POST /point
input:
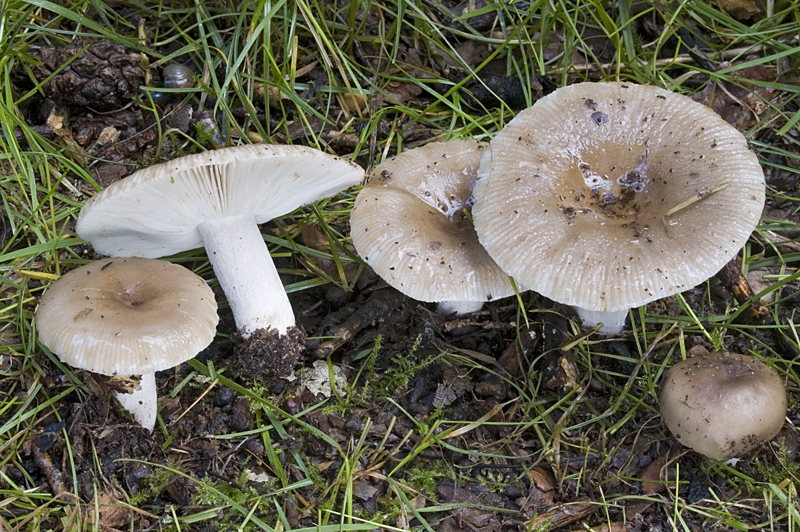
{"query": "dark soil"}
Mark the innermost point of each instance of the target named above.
(526, 485)
(496, 365)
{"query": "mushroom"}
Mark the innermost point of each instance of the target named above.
(607, 196)
(722, 404)
(410, 223)
(128, 316)
(217, 199)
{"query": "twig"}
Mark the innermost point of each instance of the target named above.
(706, 192)
(210, 387)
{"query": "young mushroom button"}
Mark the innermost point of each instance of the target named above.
(216, 200)
(128, 316)
(606, 196)
(722, 404)
(411, 224)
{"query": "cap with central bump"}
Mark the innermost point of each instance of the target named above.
(606, 196)
(128, 316)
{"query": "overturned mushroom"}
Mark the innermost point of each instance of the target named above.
(607, 196)
(410, 223)
(723, 404)
(216, 200)
(128, 316)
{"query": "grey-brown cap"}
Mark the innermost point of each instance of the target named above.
(409, 225)
(586, 196)
(127, 316)
(723, 404)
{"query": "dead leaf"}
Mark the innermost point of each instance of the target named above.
(656, 475)
(740, 9)
(409, 65)
(561, 515)
(355, 102)
(759, 284)
(398, 93)
(541, 479)
(108, 135)
(542, 493)
(112, 513)
(742, 104)
(56, 122)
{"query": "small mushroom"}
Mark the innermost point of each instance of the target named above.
(722, 404)
(216, 200)
(128, 316)
(606, 196)
(411, 224)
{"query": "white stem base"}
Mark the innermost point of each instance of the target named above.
(613, 322)
(142, 404)
(459, 307)
(247, 274)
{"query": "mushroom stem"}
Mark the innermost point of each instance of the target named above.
(459, 307)
(247, 274)
(613, 322)
(143, 403)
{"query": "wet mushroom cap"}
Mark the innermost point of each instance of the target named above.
(606, 196)
(127, 316)
(723, 404)
(409, 225)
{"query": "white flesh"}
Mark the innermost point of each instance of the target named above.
(142, 404)
(613, 322)
(248, 277)
(459, 307)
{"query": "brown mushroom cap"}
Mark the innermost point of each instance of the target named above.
(127, 316)
(575, 195)
(723, 404)
(408, 225)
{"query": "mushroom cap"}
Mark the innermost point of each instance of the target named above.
(127, 316)
(155, 212)
(408, 225)
(723, 404)
(573, 197)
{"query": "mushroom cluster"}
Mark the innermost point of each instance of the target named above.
(606, 196)
(603, 196)
(723, 404)
(128, 316)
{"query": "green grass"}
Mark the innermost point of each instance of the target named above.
(391, 77)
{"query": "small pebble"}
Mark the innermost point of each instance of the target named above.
(224, 396)
(255, 446)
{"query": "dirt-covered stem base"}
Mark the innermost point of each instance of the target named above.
(267, 354)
